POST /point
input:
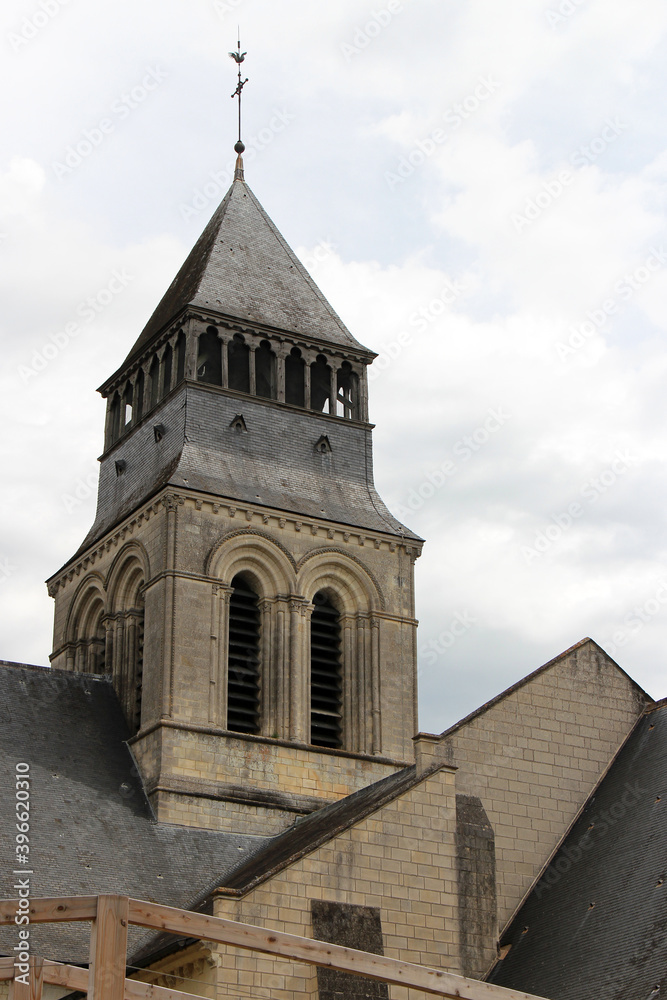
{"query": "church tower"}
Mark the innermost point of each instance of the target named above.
(243, 585)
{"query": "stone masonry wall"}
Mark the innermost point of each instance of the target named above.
(400, 859)
(202, 779)
(534, 756)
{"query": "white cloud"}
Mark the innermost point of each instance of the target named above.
(466, 312)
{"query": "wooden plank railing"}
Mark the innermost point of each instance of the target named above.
(111, 916)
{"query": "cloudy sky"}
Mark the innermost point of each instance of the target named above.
(478, 187)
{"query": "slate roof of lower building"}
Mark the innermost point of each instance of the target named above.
(595, 924)
(91, 829)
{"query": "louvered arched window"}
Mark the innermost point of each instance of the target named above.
(325, 674)
(243, 662)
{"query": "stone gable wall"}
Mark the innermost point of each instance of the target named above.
(534, 757)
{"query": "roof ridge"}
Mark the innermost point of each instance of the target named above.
(300, 267)
(531, 676)
(294, 843)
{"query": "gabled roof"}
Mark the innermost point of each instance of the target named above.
(535, 673)
(241, 267)
(318, 827)
(595, 923)
(92, 829)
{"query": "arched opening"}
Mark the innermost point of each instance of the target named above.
(180, 357)
(125, 624)
(154, 375)
(114, 418)
(295, 368)
(167, 358)
(209, 357)
(128, 397)
(87, 633)
(139, 395)
(265, 371)
(325, 674)
(320, 385)
(243, 662)
(238, 354)
(347, 399)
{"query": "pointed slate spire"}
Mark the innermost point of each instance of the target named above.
(241, 267)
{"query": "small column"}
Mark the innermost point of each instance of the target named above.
(333, 389)
(299, 729)
(362, 691)
(131, 668)
(282, 670)
(117, 673)
(350, 695)
(281, 350)
(108, 644)
(363, 395)
(191, 349)
(252, 369)
(376, 716)
(306, 384)
(267, 679)
(171, 504)
(217, 702)
(224, 359)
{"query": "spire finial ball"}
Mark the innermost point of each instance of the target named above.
(239, 147)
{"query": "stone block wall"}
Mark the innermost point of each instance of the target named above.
(533, 756)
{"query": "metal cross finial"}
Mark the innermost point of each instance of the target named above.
(238, 58)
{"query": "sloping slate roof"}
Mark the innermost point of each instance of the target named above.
(595, 924)
(318, 827)
(242, 267)
(92, 829)
(304, 836)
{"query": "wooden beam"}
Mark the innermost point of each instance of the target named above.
(49, 910)
(332, 956)
(108, 949)
(6, 968)
(32, 990)
(73, 978)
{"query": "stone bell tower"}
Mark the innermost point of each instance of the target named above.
(243, 585)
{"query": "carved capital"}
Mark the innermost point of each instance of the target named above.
(171, 502)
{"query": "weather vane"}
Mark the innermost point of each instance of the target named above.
(238, 58)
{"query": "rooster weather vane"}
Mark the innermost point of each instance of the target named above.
(238, 58)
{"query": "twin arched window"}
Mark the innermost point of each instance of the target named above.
(243, 667)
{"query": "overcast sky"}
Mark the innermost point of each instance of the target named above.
(479, 189)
